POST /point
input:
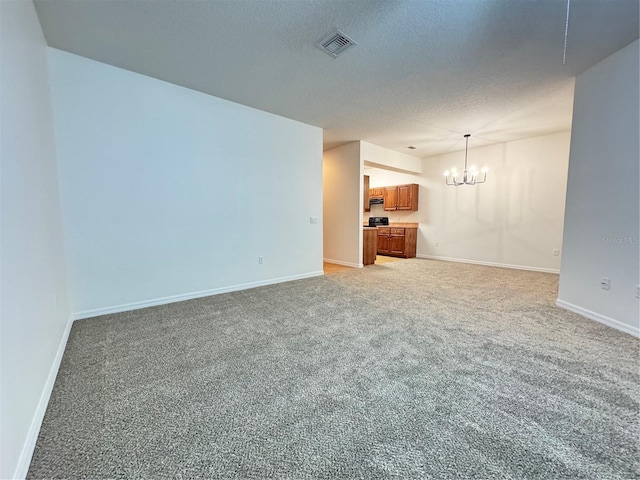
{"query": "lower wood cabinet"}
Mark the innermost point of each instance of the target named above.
(369, 246)
(397, 241)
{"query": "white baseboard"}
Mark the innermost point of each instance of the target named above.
(29, 445)
(617, 324)
(491, 264)
(188, 296)
(346, 264)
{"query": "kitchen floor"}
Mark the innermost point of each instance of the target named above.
(330, 268)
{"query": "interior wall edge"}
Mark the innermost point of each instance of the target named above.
(126, 307)
(490, 264)
(346, 264)
(597, 317)
(22, 468)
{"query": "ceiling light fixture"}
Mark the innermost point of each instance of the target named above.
(470, 176)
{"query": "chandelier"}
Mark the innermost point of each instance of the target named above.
(469, 176)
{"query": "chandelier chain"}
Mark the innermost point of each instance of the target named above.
(566, 34)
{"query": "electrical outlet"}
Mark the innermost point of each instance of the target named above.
(637, 291)
(556, 252)
(605, 283)
(437, 244)
(260, 260)
(313, 220)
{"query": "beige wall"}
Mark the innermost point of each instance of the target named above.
(342, 205)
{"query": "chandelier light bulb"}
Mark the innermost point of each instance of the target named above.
(446, 173)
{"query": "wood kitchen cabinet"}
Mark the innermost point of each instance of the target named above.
(377, 192)
(397, 241)
(365, 199)
(369, 246)
(407, 197)
(390, 198)
(383, 240)
(401, 197)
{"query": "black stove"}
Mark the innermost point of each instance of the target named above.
(378, 221)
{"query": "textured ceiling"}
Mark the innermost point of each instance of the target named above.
(424, 72)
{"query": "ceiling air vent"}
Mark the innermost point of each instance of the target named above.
(335, 43)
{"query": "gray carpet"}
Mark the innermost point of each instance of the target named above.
(413, 369)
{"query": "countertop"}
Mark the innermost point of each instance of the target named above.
(396, 224)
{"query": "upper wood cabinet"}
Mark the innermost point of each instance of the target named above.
(390, 198)
(401, 197)
(365, 199)
(377, 192)
(408, 197)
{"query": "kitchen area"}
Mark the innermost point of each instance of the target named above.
(381, 236)
(371, 200)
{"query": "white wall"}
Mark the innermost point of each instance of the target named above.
(168, 193)
(602, 225)
(380, 157)
(34, 297)
(342, 205)
(515, 219)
